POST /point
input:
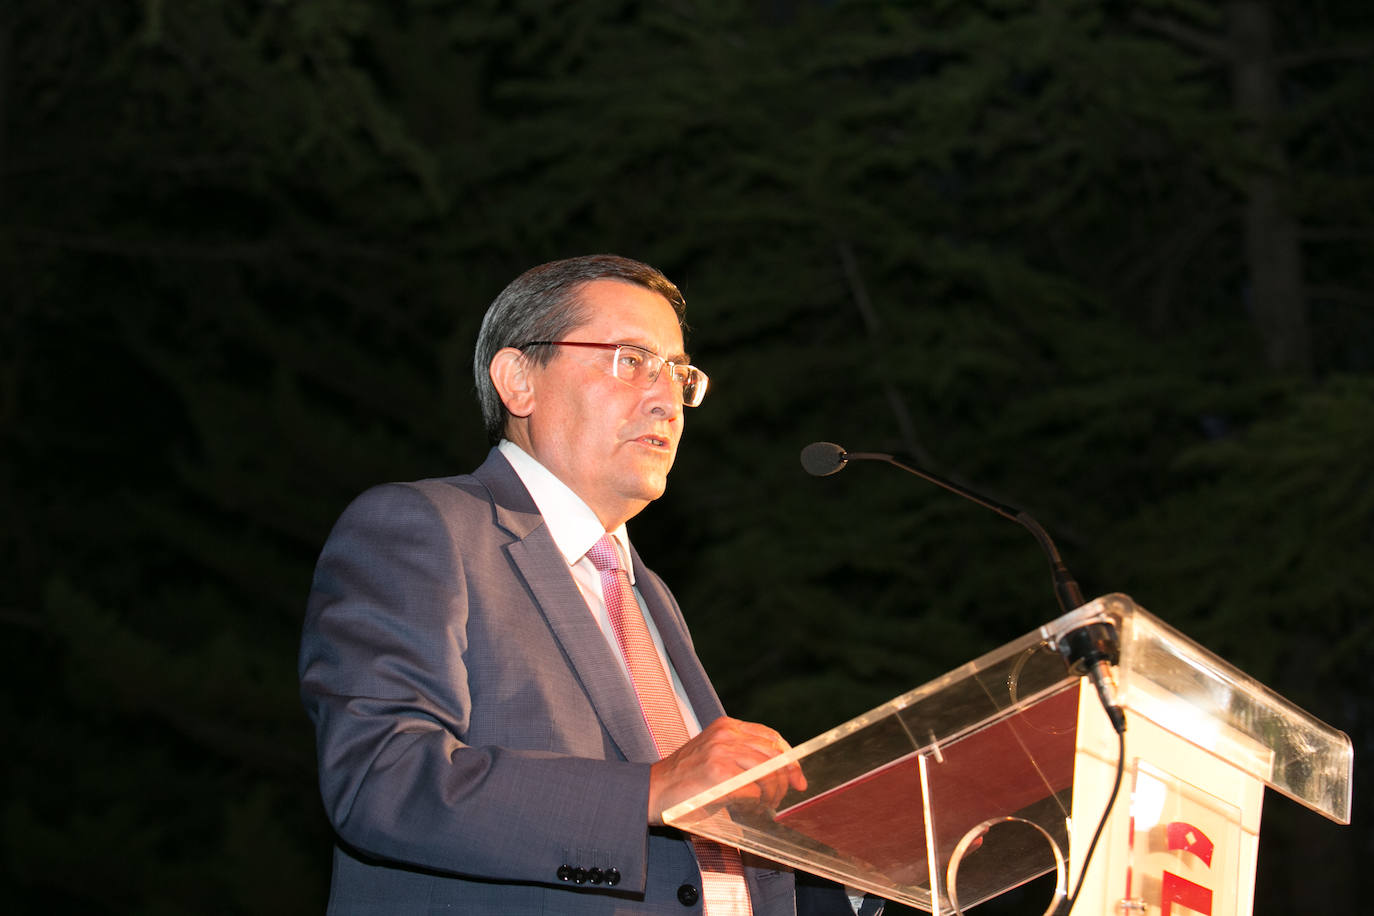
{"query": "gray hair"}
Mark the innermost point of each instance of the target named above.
(545, 303)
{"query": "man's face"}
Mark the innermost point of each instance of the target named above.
(611, 443)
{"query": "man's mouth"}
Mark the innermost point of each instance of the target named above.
(655, 441)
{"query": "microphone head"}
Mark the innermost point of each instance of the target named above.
(821, 459)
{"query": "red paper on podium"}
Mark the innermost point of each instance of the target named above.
(999, 770)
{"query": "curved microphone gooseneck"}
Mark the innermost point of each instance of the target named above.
(1088, 650)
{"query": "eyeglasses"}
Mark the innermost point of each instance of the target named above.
(640, 367)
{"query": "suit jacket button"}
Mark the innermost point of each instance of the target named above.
(612, 876)
(595, 875)
(688, 895)
(565, 873)
(579, 876)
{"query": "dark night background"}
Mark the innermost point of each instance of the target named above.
(1108, 261)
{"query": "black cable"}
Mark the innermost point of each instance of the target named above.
(1067, 906)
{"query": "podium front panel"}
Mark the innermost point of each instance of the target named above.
(1183, 836)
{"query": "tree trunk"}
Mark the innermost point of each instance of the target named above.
(1273, 252)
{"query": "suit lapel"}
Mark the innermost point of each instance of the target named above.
(537, 560)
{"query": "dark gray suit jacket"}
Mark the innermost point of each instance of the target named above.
(479, 748)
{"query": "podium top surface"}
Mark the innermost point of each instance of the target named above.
(1181, 686)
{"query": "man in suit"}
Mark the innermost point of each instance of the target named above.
(481, 744)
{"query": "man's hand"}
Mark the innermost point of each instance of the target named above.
(725, 748)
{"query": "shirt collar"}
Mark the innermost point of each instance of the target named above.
(572, 524)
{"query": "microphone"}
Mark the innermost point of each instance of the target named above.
(821, 459)
(1088, 650)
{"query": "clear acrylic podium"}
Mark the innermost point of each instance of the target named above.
(999, 771)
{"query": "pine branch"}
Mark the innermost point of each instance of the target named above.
(1186, 36)
(858, 292)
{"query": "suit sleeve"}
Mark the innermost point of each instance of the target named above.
(385, 679)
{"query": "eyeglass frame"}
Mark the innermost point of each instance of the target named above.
(698, 390)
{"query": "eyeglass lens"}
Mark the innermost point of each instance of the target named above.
(639, 367)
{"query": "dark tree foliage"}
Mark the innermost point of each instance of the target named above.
(1105, 261)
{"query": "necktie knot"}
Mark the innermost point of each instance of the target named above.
(604, 556)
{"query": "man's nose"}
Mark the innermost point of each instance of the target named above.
(665, 390)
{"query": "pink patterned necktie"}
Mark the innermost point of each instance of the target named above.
(724, 892)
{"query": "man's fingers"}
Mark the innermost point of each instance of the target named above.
(723, 750)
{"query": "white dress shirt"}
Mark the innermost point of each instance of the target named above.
(574, 528)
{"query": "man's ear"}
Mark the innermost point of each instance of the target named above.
(513, 377)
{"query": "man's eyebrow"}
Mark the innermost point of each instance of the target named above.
(681, 359)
